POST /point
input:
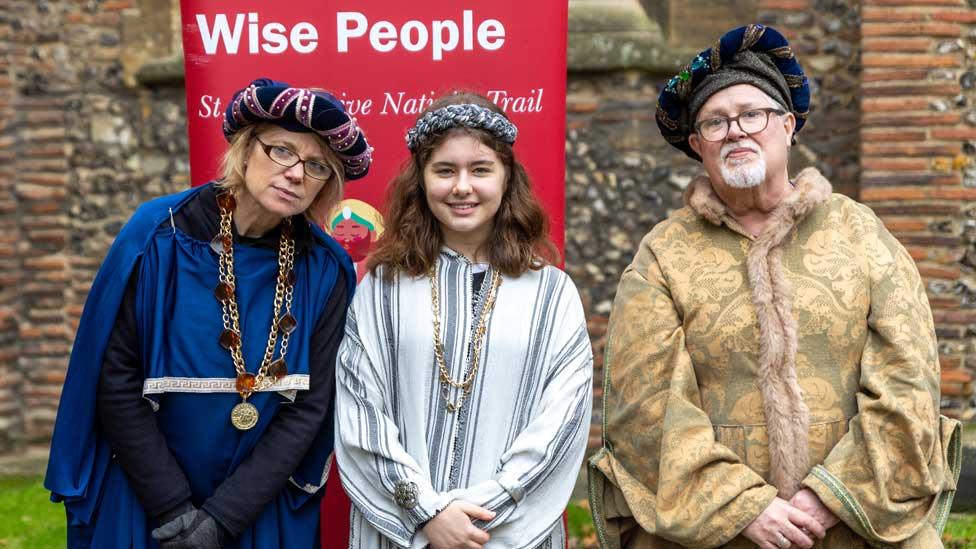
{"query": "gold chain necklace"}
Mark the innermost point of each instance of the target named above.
(447, 382)
(245, 415)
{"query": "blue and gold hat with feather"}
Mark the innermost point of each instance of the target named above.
(754, 54)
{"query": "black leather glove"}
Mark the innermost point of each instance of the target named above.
(171, 515)
(194, 529)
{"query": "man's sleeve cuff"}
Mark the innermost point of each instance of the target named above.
(839, 500)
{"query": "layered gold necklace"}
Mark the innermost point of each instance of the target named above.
(448, 383)
(245, 415)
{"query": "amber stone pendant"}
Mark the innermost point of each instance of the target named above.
(287, 324)
(229, 339)
(278, 369)
(221, 243)
(244, 416)
(226, 201)
(224, 292)
(245, 383)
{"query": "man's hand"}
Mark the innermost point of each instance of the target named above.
(781, 526)
(807, 501)
(452, 528)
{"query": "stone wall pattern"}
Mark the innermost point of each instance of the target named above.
(84, 139)
(80, 148)
(622, 177)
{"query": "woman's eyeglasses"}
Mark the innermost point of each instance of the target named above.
(283, 156)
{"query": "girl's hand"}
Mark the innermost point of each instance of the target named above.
(452, 527)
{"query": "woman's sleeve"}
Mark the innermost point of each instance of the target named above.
(538, 471)
(386, 483)
(883, 476)
(127, 419)
(242, 496)
(660, 451)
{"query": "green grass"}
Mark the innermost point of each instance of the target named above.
(960, 532)
(28, 519)
(579, 522)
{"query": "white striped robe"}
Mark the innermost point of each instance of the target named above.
(516, 445)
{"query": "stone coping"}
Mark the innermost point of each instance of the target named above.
(29, 461)
(165, 71)
(617, 35)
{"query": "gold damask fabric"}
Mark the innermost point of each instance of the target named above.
(738, 369)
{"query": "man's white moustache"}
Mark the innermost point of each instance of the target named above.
(729, 147)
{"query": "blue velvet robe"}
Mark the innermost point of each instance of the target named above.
(189, 379)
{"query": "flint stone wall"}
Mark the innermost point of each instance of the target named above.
(92, 123)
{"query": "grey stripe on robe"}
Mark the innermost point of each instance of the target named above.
(516, 445)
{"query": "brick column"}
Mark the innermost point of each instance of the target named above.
(917, 132)
(41, 172)
(11, 406)
(81, 145)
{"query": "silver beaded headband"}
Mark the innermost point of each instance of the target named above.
(454, 116)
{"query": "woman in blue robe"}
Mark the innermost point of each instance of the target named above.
(197, 408)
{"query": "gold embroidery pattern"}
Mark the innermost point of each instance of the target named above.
(687, 449)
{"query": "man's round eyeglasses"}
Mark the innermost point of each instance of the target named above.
(751, 121)
(283, 156)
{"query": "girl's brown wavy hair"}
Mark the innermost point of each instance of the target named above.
(412, 239)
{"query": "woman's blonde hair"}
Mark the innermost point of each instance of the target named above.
(234, 164)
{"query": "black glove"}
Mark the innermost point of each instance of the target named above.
(194, 529)
(171, 515)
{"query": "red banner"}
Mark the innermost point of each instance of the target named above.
(387, 60)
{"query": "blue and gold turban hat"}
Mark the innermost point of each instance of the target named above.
(756, 55)
(302, 110)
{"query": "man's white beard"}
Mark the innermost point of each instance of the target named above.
(745, 173)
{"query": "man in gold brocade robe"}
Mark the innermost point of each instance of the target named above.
(771, 374)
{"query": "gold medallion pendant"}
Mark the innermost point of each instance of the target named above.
(244, 416)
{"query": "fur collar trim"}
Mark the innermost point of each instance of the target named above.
(811, 189)
(787, 415)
